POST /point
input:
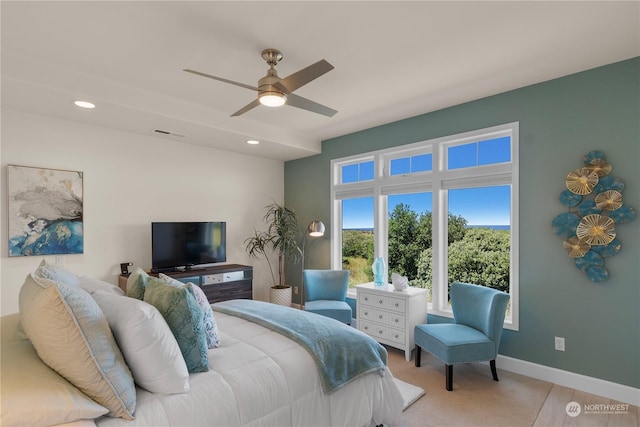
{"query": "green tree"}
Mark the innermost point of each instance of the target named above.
(403, 246)
(481, 257)
(410, 234)
(457, 228)
(357, 243)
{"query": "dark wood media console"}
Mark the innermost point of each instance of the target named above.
(219, 283)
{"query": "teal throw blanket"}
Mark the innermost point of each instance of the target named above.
(341, 353)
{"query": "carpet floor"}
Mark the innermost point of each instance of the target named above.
(478, 401)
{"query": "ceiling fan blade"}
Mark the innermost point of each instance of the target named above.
(306, 104)
(246, 108)
(198, 73)
(304, 76)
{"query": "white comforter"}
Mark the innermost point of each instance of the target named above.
(260, 378)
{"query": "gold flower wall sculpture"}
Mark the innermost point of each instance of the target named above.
(575, 247)
(600, 167)
(609, 200)
(581, 181)
(595, 206)
(596, 229)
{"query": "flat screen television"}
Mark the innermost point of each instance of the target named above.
(187, 244)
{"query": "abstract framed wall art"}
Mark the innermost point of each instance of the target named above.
(45, 211)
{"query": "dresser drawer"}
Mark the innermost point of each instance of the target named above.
(396, 320)
(366, 299)
(388, 318)
(396, 336)
(384, 302)
(373, 329)
(396, 304)
(379, 331)
(367, 313)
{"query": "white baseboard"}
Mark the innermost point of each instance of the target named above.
(608, 389)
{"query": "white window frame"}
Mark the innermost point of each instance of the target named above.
(437, 181)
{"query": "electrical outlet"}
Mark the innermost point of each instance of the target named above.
(295, 290)
(60, 259)
(559, 343)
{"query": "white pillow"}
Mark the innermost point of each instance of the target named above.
(57, 273)
(92, 285)
(72, 336)
(149, 347)
(208, 320)
(33, 394)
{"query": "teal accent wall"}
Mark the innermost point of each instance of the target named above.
(560, 121)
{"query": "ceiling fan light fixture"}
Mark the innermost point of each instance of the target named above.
(272, 98)
(84, 104)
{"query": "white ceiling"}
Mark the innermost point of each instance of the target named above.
(392, 60)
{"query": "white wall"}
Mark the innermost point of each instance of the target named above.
(131, 180)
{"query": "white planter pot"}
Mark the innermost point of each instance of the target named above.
(280, 296)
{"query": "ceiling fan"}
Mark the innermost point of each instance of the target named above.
(274, 91)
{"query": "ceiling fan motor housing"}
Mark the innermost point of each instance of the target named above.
(268, 94)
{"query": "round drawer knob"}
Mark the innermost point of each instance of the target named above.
(380, 302)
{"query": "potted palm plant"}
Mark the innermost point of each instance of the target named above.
(281, 236)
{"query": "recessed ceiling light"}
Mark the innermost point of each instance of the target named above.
(84, 104)
(253, 142)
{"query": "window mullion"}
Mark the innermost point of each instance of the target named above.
(380, 212)
(439, 235)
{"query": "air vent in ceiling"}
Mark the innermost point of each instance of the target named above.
(166, 132)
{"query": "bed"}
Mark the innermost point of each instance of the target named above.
(257, 376)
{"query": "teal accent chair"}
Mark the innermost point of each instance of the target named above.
(475, 336)
(325, 292)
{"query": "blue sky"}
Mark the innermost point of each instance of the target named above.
(480, 206)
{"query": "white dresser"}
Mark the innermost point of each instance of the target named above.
(390, 316)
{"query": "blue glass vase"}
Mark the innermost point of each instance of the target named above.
(378, 271)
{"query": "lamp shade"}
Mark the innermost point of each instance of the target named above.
(315, 228)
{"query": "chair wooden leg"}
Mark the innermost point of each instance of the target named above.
(449, 377)
(418, 351)
(493, 370)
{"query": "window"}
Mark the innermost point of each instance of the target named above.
(357, 239)
(355, 172)
(438, 211)
(410, 231)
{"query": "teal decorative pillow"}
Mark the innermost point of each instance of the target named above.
(180, 310)
(72, 336)
(208, 321)
(136, 283)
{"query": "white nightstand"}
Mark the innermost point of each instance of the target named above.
(390, 316)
